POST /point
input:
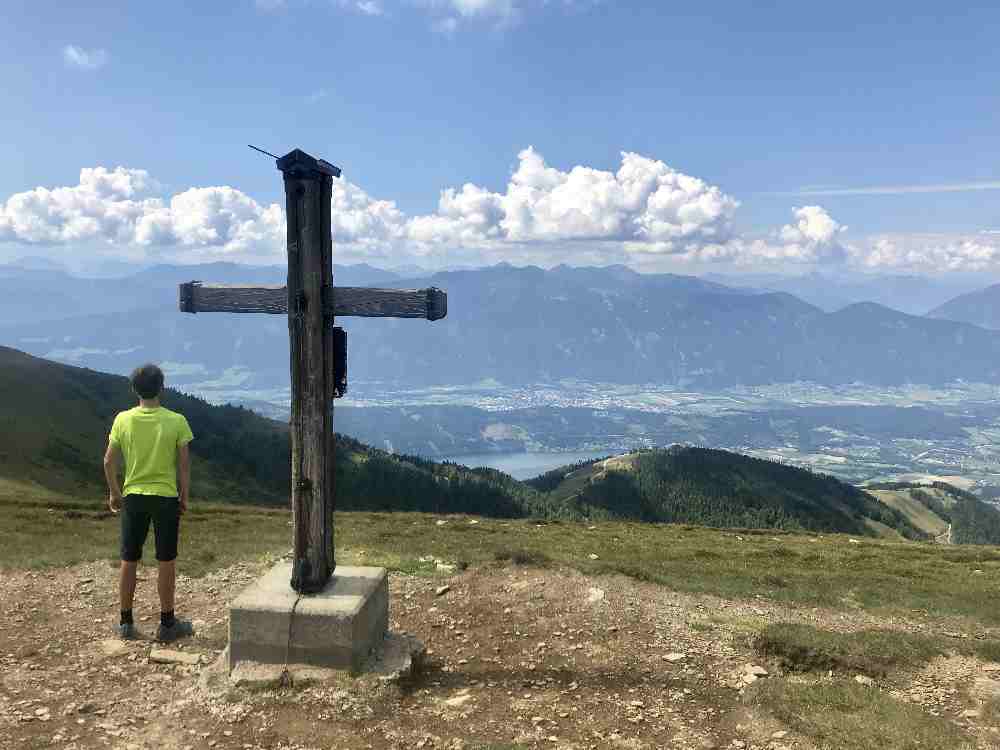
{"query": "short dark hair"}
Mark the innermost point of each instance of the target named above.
(147, 381)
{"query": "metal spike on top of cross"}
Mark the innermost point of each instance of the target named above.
(311, 302)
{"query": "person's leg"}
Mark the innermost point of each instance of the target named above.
(165, 583)
(126, 585)
(166, 526)
(134, 528)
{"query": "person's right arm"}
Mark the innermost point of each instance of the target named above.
(111, 461)
(184, 438)
(112, 458)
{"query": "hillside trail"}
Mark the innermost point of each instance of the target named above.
(518, 658)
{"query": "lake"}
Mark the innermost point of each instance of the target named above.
(525, 465)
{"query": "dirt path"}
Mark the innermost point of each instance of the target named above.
(518, 658)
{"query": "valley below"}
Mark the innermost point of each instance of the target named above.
(856, 432)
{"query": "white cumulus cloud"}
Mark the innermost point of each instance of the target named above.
(84, 59)
(467, 8)
(644, 201)
(644, 212)
(116, 206)
(932, 252)
(814, 237)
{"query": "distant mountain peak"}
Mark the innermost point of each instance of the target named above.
(980, 308)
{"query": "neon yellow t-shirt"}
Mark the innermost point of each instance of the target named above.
(149, 439)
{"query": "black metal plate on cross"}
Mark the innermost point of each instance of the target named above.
(339, 362)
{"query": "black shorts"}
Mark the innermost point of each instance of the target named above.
(137, 511)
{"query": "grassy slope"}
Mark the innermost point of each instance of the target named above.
(972, 521)
(916, 512)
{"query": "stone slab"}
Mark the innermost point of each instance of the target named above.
(337, 628)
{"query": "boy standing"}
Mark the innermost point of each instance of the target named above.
(154, 443)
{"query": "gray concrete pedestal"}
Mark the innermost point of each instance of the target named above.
(337, 628)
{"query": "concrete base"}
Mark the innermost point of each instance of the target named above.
(400, 659)
(337, 628)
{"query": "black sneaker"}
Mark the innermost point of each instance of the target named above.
(180, 629)
(127, 631)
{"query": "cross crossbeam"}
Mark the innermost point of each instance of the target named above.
(350, 301)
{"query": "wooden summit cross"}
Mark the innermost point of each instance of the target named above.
(318, 351)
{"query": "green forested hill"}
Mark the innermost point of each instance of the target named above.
(54, 421)
(719, 488)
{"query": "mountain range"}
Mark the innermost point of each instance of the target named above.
(515, 325)
(915, 295)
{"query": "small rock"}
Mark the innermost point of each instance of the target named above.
(441, 522)
(169, 656)
(595, 595)
(445, 568)
(458, 700)
(442, 590)
(862, 679)
(970, 714)
(854, 541)
(674, 657)
(780, 735)
(753, 673)
(592, 556)
(111, 647)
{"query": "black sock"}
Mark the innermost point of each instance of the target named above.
(127, 617)
(167, 619)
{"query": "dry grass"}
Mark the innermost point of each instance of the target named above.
(842, 715)
(874, 652)
(803, 648)
(991, 712)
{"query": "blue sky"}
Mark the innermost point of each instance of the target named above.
(759, 101)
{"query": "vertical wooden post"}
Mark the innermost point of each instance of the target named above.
(325, 200)
(308, 188)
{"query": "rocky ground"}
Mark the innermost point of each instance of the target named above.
(517, 658)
